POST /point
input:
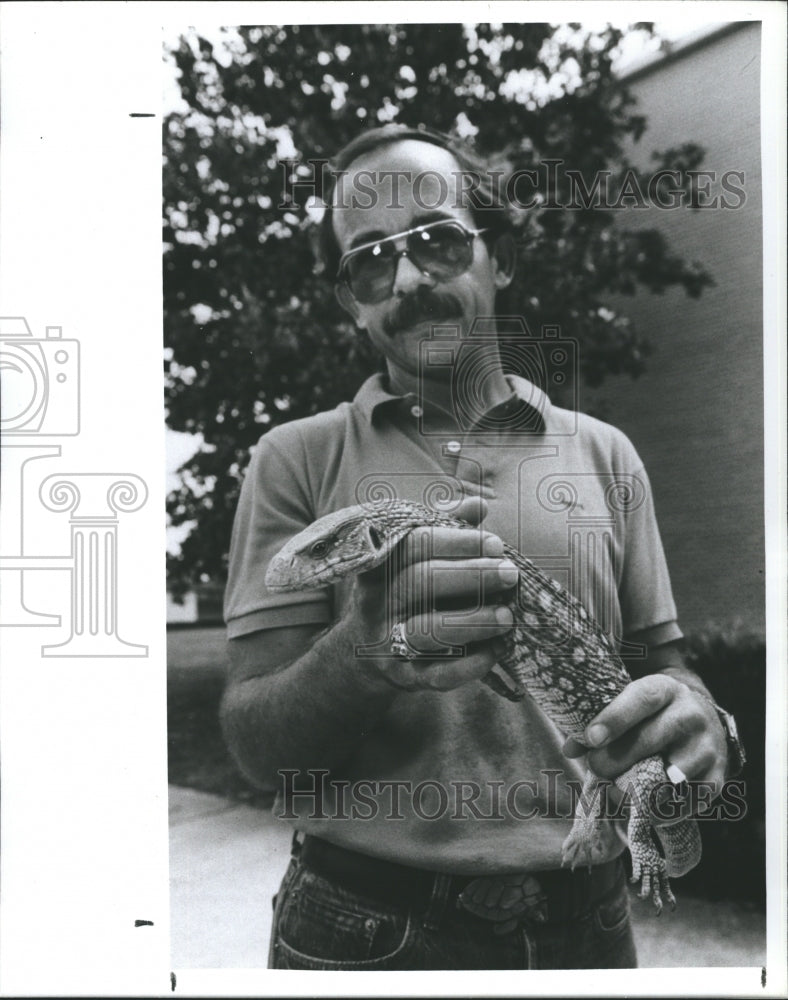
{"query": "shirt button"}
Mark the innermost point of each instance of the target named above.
(416, 411)
(454, 447)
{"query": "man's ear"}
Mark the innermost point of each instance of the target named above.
(345, 299)
(504, 256)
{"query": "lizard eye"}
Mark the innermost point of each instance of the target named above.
(375, 538)
(319, 548)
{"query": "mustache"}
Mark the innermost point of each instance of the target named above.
(423, 304)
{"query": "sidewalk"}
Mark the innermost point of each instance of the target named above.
(226, 862)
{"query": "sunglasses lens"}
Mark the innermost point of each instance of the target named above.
(442, 252)
(370, 273)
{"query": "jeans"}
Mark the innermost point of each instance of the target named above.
(321, 925)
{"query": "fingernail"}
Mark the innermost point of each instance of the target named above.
(596, 735)
(503, 616)
(507, 573)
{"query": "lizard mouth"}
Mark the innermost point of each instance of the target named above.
(276, 576)
(281, 579)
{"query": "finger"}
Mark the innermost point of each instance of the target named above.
(573, 748)
(696, 793)
(438, 632)
(639, 701)
(425, 543)
(444, 675)
(473, 510)
(680, 733)
(697, 760)
(693, 758)
(668, 802)
(643, 740)
(467, 583)
(441, 674)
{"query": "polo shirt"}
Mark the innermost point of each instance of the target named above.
(461, 781)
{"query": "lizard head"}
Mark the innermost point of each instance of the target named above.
(335, 546)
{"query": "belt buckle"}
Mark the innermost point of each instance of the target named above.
(504, 900)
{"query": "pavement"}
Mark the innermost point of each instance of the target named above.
(226, 863)
(227, 860)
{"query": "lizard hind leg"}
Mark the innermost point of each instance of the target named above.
(648, 865)
(585, 843)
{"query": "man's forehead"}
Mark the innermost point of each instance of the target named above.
(384, 189)
(404, 155)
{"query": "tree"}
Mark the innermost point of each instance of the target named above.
(253, 334)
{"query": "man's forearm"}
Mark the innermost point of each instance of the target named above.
(308, 714)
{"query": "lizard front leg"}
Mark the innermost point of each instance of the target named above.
(585, 843)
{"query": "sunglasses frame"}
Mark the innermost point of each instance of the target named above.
(470, 235)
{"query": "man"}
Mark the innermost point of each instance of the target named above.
(408, 779)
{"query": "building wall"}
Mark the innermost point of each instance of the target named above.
(696, 417)
(185, 612)
(202, 605)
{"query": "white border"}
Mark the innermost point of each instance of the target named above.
(83, 744)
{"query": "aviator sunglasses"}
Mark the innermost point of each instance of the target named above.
(441, 250)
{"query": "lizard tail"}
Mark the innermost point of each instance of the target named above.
(681, 845)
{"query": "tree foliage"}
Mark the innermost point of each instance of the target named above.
(253, 334)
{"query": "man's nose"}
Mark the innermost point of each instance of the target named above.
(408, 277)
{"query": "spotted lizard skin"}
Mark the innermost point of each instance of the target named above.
(556, 653)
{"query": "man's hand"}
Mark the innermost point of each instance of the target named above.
(449, 589)
(657, 714)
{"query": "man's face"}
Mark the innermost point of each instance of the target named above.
(400, 186)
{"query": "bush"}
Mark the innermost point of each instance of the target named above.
(197, 754)
(732, 662)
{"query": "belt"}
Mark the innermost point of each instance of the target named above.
(566, 894)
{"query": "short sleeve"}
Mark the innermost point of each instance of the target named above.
(273, 506)
(648, 610)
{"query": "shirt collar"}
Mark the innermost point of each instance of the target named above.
(373, 398)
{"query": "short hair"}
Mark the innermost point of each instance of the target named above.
(490, 210)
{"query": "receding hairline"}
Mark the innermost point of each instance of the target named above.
(384, 151)
(378, 141)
